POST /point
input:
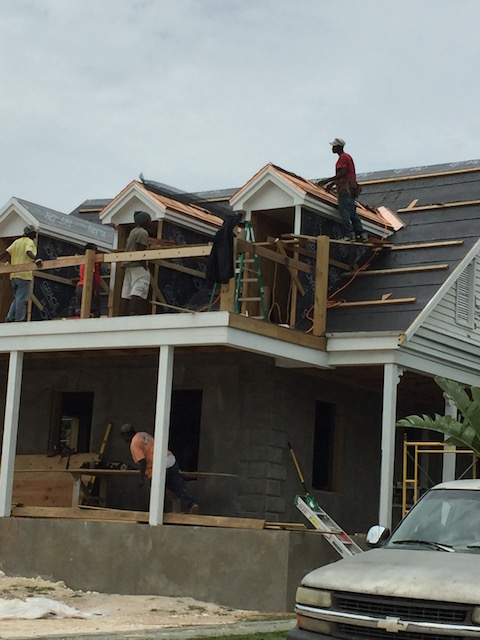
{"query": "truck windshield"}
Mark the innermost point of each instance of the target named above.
(449, 517)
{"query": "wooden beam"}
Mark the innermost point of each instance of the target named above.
(227, 296)
(442, 205)
(243, 245)
(179, 267)
(321, 286)
(36, 301)
(51, 276)
(309, 254)
(271, 330)
(398, 270)
(172, 306)
(424, 245)
(184, 251)
(374, 303)
(87, 289)
(291, 271)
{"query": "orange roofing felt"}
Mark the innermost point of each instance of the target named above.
(190, 210)
(308, 187)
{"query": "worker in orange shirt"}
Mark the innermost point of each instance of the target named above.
(141, 448)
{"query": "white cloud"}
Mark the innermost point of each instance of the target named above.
(201, 93)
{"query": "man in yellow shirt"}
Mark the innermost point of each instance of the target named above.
(21, 251)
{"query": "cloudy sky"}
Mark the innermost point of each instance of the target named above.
(200, 94)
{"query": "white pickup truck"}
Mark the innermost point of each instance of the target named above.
(423, 583)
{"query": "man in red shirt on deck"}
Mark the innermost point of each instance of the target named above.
(345, 180)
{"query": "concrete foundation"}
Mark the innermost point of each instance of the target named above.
(239, 568)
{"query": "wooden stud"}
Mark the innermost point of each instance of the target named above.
(374, 303)
(442, 205)
(321, 286)
(398, 270)
(88, 284)
(227, 296)
(292, 272)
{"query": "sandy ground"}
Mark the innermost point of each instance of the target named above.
(117, 613)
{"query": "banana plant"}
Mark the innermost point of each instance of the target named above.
(463, 430)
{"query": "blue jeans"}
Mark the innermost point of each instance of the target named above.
(21, 293)
(177, 485)
(351, 222)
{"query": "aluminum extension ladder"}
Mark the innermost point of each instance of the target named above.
(331, 531)
(250, 273)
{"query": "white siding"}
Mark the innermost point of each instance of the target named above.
(451, 331)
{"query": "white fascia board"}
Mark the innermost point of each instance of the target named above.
(432, 303)
(422, 365)
(325, 208)
(273, 347)
(120, 332)
(188, 222)
(196, 329)
(374, 341)
(111, 210)
(269, 176)
(362, 348)
(362, 358)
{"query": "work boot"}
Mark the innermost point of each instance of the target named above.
(348, 238)
(362, 237)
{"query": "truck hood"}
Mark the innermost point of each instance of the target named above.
(425, 575)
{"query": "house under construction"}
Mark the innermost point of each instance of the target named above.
(314, 341)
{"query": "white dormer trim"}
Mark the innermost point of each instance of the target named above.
(121, 211)
(14, 217)
(241, 201)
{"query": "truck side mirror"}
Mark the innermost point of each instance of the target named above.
(376, 535)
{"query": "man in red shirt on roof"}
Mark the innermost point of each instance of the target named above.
(345, 180)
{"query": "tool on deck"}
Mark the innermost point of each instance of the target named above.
(101, 451)
(331, 531)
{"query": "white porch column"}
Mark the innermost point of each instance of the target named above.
(10, 430)
(297, 224)
(391, 377)
(162, 423)
(449, 459)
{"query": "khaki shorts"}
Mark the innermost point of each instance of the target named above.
(136, 283)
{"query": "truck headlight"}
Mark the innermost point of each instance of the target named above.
(476, 615)
(314, 597)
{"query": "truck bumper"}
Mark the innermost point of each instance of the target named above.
(301, 634)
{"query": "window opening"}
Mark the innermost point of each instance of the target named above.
(185, 420)
(72, 425)
(324, 447)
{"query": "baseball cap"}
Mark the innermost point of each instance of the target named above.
(126, 428)
(141, 217)
(338, 142)
(29, 229)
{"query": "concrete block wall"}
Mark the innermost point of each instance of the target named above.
(251, 409)
(239, 568)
